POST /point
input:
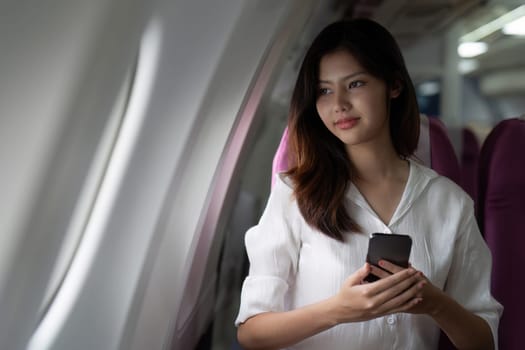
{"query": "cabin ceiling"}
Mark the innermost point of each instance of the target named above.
(409, 20)
(413, 21)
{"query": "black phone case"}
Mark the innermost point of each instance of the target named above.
(388, 246)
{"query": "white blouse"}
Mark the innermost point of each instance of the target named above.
(292, 264)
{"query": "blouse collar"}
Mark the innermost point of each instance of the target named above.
(418, 179)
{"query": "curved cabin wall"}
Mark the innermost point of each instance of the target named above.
(62, 65)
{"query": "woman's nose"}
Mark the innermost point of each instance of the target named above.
(341, 102)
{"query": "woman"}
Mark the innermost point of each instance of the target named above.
(353, 125)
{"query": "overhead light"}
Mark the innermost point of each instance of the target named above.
(516, 27)
(472, 49)
(493, 26)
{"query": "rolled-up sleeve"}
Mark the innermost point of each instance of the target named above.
(273, 248)
(469, 279)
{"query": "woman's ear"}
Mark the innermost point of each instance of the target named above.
(396, 88)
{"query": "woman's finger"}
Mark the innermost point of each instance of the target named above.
(376, 271)
(358, 276)
(388, 266)
(403, 298)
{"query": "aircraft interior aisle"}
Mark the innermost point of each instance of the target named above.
(138, 139)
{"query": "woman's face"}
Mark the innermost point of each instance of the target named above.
(352, 103)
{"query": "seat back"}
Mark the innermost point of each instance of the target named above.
(443, 159)
(500, 210)
(469, 162)
(280, 159)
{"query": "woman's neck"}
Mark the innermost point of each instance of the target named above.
(376, 165)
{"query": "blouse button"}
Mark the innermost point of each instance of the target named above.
(391, 320)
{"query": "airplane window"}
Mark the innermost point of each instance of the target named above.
(85, 203)
(89, 193)
(95, 201)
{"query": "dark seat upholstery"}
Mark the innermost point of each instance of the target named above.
(469, 162)
(501, 209)
(443, 159)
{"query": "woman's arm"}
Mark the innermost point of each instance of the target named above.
(355, 302)
(465, 329)
(275, 330)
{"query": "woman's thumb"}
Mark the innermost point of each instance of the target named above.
(358, 276)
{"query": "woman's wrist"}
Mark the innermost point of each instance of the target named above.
(439, 304)
(330, 312)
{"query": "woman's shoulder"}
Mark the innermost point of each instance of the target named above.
(281, 191)
(283, 182)
(282, 196)
(441, 185)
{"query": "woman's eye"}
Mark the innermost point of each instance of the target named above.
(324, 91)
(356, 84)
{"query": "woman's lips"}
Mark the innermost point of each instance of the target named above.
(346, 123)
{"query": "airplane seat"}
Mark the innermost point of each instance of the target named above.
(469, 162)
(280, 159)
(501, 188)
(443, 159)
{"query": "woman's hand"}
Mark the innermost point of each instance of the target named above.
(361, 301)
(464, 329)
(355, 301)
(430, 296)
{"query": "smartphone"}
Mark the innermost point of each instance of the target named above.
(394, 248)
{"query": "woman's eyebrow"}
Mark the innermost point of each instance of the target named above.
(349, 76)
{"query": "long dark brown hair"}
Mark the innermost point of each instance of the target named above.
(319, 165)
